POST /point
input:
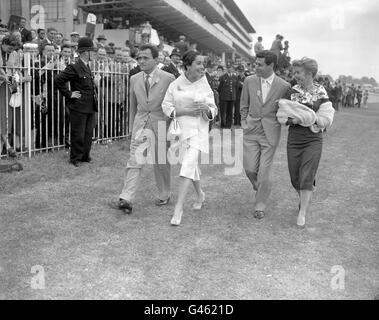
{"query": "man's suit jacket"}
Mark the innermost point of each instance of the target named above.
(42, 79)
(146, 110)
(26, 36)
(228, 87)
(253, 108)
(81, 79)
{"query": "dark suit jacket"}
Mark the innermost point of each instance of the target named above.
(26, 36)
(41, 78)
(172, 69)
(81, 79)
(228, 87)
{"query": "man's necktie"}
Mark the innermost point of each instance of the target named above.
(147, 84)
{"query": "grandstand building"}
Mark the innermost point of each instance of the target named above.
(214, 25)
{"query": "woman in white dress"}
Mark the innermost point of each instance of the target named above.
(190, 100)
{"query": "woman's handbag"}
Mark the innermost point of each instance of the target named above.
(174, 128)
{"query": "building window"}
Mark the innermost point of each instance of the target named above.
(15, 8)
(54, 9)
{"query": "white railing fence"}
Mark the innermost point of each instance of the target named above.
(33, 114)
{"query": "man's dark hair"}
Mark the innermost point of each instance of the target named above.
(154, 50)
(40, 29)
(134, 53)
(189, 57)
(269, 56)
(260, 38)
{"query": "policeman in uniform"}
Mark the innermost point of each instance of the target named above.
(227, 90)
(81, 101)
(172, 68)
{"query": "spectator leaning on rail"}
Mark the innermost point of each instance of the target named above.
(81, 101)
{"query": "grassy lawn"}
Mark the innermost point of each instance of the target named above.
(56, 216)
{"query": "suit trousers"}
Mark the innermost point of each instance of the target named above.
(226, 113)
(258, 156)
(162, 171)
(81, 135)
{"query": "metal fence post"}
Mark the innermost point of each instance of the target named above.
(28, 121)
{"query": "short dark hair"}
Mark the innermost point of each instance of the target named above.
(40, 29)
(220, 67)
(154, 50)
(189, 57)
(269, 56)
(260, 38)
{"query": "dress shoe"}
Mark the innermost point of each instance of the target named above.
(160, 202)
(199, 205)
(122, 205)
(75, 163)
(259, 214)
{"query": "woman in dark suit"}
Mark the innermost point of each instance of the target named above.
(304, 144)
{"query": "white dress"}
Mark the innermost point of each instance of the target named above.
(194, 137)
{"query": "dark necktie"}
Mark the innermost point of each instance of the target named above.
(147, 84)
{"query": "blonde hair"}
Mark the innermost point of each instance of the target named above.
(308, 64)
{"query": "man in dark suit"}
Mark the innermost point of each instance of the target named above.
(46, 112)
(26, 35)
(172, 68)
(182, 45)
(81, 101)
(49, 39)
(227, 90)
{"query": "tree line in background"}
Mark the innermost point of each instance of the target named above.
(361, 81)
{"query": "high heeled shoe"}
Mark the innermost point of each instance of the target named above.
(199, 205)
(300, 221)
(175, 221)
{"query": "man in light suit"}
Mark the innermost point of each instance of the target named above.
(261, 130)
(147, 91)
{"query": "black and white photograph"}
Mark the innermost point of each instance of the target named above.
(207, 152)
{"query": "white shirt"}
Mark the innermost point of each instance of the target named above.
(266, 86)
